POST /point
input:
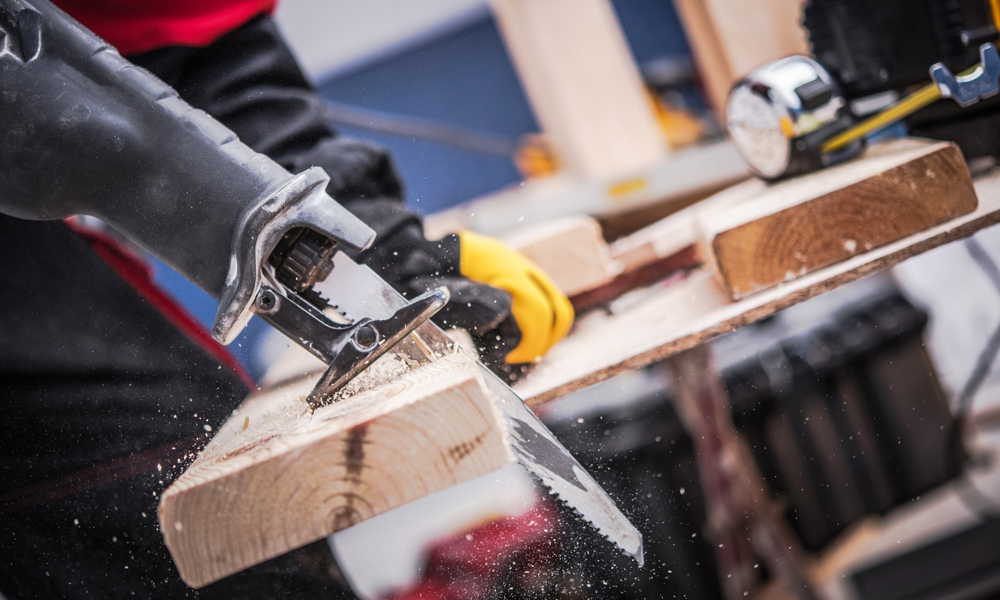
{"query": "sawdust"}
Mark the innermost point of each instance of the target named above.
(388, 367)
(392, 365)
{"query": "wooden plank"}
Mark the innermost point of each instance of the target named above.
(693, 171)
(571, 250)
(697, 309)
(276, 477)
(658, 240)
(730, 38)
(583, 84)
(763, 235)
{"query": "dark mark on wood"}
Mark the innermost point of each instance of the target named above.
(681, 262)
(348, 514)
(247, 447)
(354, 454)
(460, 451)
(344, 518)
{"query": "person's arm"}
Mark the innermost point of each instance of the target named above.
(249, 80)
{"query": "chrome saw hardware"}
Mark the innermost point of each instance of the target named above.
(788, 117)
(536, 448)
(346, 348)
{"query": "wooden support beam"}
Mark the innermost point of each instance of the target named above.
(276, 476)
(730, 38)
(583, 84)
(763, 235)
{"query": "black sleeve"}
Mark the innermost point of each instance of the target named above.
(250, 82)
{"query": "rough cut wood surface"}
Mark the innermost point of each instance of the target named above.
(571, 250)
(697, 309)
(276, 477)
(766, 234)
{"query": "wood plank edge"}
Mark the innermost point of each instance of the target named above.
(648, 357)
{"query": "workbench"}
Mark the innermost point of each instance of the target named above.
(672, 325)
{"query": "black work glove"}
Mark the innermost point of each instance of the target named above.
(513, 310)
(414, 265)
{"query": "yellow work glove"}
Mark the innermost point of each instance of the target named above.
(498, 295)
(541, 311)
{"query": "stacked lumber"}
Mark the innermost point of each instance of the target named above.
(900, 201)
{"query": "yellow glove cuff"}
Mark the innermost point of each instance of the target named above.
(542, 312)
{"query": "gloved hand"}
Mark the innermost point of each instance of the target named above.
(514, 311)
(541, 311)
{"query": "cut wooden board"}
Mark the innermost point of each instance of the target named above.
(697, 309)
(658, 240)
(763, 235)
(571, 250)
(276, 477)
(583, 84)
(659, 270)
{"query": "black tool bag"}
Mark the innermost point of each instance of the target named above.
(848, 420)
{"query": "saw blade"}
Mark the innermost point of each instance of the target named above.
(539, 451)
(358, 292)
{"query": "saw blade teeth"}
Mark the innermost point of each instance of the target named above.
(346, 318)
(638, 556)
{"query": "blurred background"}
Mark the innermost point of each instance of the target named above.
(433, 82)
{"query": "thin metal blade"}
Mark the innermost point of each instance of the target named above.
(359, 292)
(547, 459)
(539, 451)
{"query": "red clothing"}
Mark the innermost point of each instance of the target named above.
(134, 26)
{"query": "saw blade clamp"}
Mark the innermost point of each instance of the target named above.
(346, 348)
